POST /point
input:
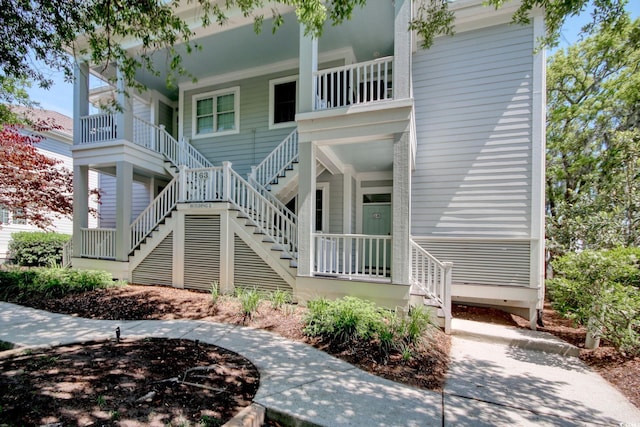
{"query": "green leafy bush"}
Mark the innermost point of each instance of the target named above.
(37, 248)
(601, 290)
(37, 283)
(351, 319)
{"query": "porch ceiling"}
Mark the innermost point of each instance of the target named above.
(369, 34)
(370, 156)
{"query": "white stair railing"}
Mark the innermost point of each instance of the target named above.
(220, 184)
(149, 219)
(432, 277)
(156, 138)
(281, 228)
(280, 159)
(201, 185)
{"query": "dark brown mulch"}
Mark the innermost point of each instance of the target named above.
(135, 382)
(425, 369)
(620, 370)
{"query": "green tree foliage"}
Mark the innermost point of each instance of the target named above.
(601, 290)
(593, 141)
(45, 31)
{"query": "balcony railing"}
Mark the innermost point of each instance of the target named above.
(353, 255)
(98, 243)
(361, 83)
(98, 128)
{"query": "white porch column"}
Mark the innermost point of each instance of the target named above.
(308, 65)
(402, 50)
(124, 187)
(401, 203)
(80, 98)
(347, 200)
(306, 207)
(80, 206)
(124, 119)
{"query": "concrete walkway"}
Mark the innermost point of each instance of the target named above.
(492, 381)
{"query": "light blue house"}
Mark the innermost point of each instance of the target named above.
(354, 164)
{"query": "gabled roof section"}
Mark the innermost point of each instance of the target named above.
(37, 114)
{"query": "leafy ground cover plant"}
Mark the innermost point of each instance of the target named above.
(19, 285)
(347, 320)
(601, 290)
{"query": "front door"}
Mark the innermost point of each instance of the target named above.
(377, 221)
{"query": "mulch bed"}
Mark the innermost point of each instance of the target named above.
(130, 382)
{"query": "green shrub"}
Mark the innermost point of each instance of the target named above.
(344, 319)
(601, 290)
(37, 283)
(349, 320)
(37, 248)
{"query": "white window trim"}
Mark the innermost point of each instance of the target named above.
(236, 108)
(272, 84)
(324, 187)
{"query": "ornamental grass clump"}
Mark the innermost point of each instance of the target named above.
(249, 301)
(279, 298)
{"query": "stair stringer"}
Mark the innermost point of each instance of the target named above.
(152, 241)
(264, 250)
(287, 187)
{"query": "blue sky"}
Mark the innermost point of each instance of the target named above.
(60, 96)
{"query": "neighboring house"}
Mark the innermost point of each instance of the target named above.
(354, 164)
(56, 144)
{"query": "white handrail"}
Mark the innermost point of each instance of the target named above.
(262, 213)
(98, 243)
(360, 83)
(154, 213)
(281, 158)
(98, 128)
(201, 185)
(433, 277)
(353, 255)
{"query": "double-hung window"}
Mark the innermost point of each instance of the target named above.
(216, 113)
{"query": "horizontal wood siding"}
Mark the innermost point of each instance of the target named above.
(141, 109)
(108, 196)
(473, 106)
(483, 262)
(250, 271)
(165, 117)
(157, 268)
(336, 200)
(201, 251)
(254, 141)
